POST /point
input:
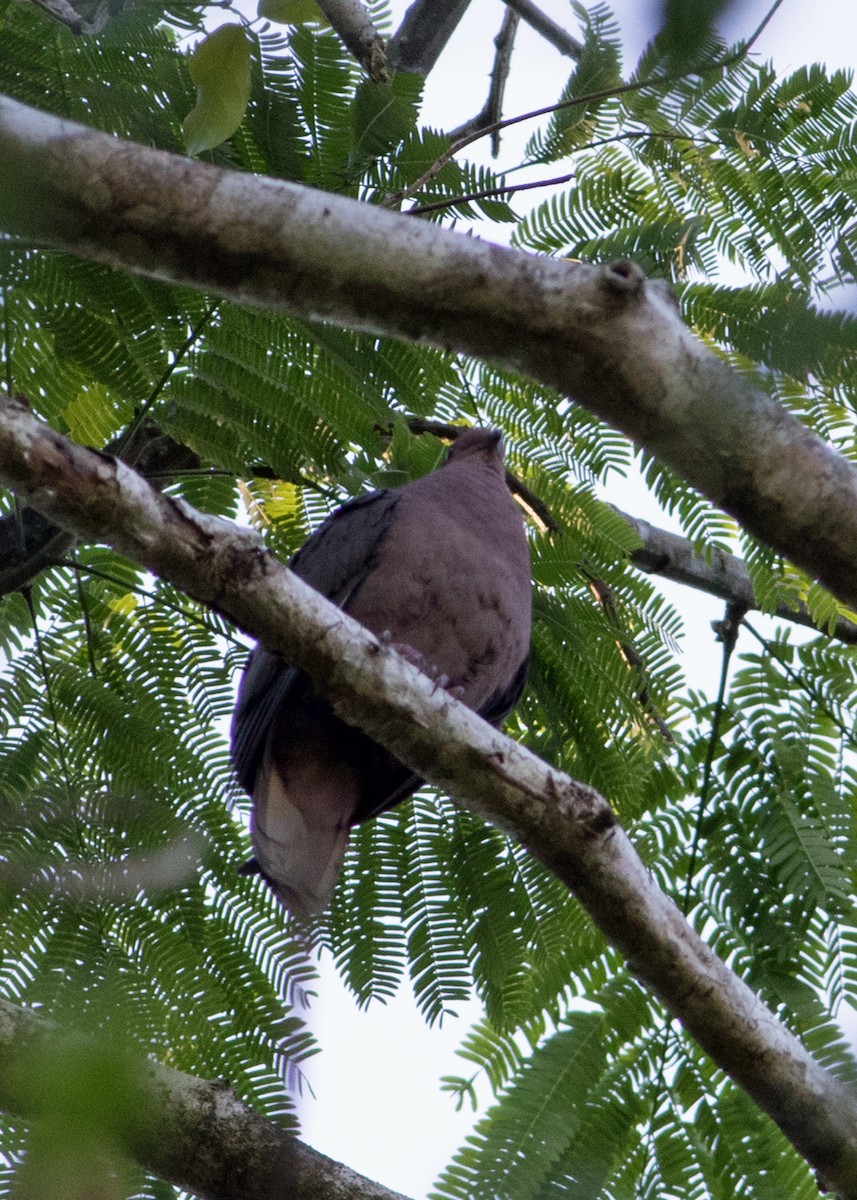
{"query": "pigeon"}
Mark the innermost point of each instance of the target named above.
(440, 569)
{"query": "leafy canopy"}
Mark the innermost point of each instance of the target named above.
(115, 690)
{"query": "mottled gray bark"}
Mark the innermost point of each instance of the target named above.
(425, 30)
(192, 1132)
(602, 335)
(353, 23)
(715, 572)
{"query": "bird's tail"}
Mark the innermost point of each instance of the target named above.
(300, 834)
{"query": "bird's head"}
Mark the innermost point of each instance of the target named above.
(484, 444)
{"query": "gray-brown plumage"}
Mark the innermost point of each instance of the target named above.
(441, 568)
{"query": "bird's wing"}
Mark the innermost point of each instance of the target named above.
(501, 703)
(335, 561)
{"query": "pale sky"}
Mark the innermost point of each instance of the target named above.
(378, 1105)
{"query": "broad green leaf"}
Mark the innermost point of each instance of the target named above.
(220, 68)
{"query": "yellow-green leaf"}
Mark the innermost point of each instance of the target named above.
(96, 414)
(220, 68)
(292, 12)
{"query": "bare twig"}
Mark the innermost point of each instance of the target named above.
(503, 45)
(487, 193)
(509, 190)
(547, 27)
(493, 107)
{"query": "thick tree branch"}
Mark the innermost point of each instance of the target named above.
(566, 824)
(193, 1133)
(351, 20)
(425, 29)
(602, 335)
(29, 544)
(717, 572)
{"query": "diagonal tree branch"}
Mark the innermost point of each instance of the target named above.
(351, 20)
(492, 110)
(566, 824)
(29, 544)
(547, 27)
(425, 29)
(191, 1132)
(602, 335)
(716, 572)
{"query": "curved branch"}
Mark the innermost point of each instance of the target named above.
(566, 824)
(191, 1132)
(29, 544)
(602, 335)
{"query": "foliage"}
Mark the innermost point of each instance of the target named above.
(115, 690)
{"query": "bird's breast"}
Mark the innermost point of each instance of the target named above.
(458, 602)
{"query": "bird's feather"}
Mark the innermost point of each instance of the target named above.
(441, 567)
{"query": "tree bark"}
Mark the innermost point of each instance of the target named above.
(353, 23)
(566, 824)
(191, 1132)
(716, 572)
(547, 27)
(423, 34)
(602, 335)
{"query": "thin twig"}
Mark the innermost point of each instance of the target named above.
(510, 189)
(124, 444)
(638, 85)
(799, 679)
(727, 633)
(547, 27)
(504, 43)
(155, 599)
(493, 107)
